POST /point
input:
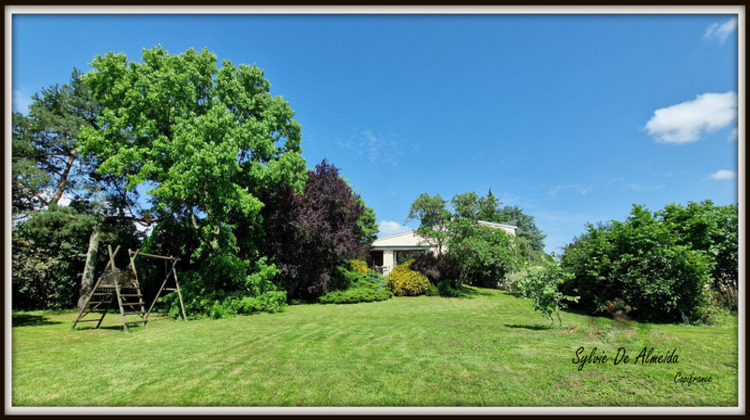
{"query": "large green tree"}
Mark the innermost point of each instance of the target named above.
(206, 140)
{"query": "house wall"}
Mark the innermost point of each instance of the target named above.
(387, 261)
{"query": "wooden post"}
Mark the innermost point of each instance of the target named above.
(132, 256)
(117, 289)
(179, 292)
(164, 283)
(88, 298)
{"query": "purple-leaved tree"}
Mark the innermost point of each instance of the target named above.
(309, 235)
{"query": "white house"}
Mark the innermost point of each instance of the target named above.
(390, 251)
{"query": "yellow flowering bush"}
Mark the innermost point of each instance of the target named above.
(405, 282)
(359, 266)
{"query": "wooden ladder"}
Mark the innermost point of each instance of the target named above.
(114, 284)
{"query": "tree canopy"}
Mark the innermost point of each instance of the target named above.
(433, 218)
(45, 161)
(205, 140)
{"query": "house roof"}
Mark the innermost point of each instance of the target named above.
(401, 240)
(499, 225)
(411, 240)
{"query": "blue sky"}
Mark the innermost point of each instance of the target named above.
(574, 118)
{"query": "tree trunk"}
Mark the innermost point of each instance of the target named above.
(87, 281)
(64, 178)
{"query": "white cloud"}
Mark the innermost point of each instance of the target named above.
(724, 174)
(685, 122)
(388, 228)
(721, 31)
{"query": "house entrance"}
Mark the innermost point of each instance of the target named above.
(375, 260)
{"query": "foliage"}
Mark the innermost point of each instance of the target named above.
(466, 205)
(446, 290)
(432, 290)
(471, 206)
(405, 282)
(642, 262)
(433, 218)
(359, 266)
(527, 229)
(439, 268)
(712, 230)
(489, 208)
(205, 295)
(363, 287)
(477, 255)
(485, 254)
(208, 142)
(308, 235)
(48, 255)
(45, 159)
(368, 224)
(516, 277)
(542, 286)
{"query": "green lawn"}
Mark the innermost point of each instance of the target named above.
(489, 349)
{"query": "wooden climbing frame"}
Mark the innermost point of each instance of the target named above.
(173, 272)
(124, 286)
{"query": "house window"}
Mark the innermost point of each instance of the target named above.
(404, 256)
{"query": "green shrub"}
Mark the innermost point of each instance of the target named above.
(367, 287)
(432, 290)
(712, 230)
(542, 286)
(445, 290)
(405, 282)
(438, 269)
(642, 262)
(257, 293)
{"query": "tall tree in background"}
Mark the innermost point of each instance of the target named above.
(45, 145)
(368, 224)
(527, 229)
(433, 218)
(466, 205)
(489, 208)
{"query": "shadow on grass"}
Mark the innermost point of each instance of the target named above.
(473, 291)
(26, 320)
(468, 293)
(534, 327)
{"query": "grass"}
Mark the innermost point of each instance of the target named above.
(487, 349)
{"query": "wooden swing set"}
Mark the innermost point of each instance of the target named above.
(123, 286)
